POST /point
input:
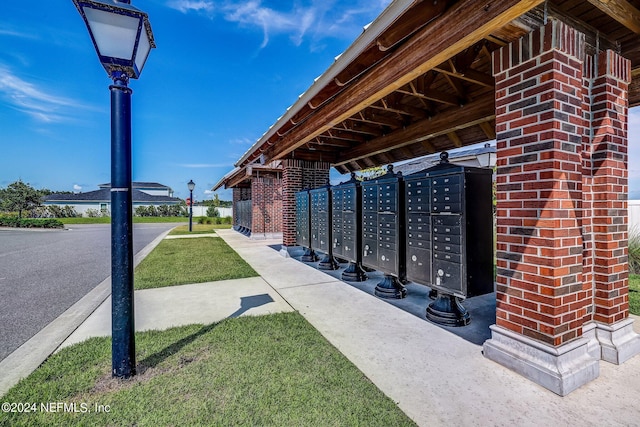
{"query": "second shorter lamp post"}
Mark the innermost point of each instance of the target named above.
(191, 185)
(122, 37)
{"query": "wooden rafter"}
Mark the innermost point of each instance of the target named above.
(428, 48)
(488, 130)
(442, 124)
(453, 136)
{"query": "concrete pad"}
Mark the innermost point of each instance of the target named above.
(202, 303)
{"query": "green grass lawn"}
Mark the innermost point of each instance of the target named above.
(634, 294)
(183, 261)
(274, 370)
(198, 228)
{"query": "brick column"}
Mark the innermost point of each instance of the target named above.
(266, 206)
(298, 175)
(542, 301)
(608, 175)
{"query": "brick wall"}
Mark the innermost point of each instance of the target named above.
(267, 204)
(298, 175)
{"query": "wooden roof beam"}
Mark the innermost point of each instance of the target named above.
(428, 48)
(488, 130)
(453, 136)
(622, 11)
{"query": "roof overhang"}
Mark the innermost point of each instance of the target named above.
(419, 80)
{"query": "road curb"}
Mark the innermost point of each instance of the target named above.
(26, 358)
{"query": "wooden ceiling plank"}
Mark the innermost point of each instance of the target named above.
(431, 46)
(622, 11)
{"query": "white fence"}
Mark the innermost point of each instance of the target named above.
(634, 215)
(202, 211)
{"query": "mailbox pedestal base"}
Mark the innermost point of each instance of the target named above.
(390, 287)
(354, 273)
(309, 256)
(446, 310)
(328, 263)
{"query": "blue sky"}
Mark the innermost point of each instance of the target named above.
(223, 72)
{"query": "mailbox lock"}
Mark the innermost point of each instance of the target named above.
(383, 258)
(414, 258)
(440, 273)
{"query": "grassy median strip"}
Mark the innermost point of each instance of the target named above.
(182, 261)
(274, 370)
(197, 229)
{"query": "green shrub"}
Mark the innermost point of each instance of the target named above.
(634, 250)
(10, 221)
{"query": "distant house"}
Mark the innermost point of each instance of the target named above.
(152, 188)
(144, 194)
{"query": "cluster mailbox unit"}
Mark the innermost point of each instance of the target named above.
(320, 226)
(450, 236)
(303, 225)
(346, 221)
(383, 232)
(433, 227)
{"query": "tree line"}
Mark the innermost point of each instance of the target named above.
(24, 199)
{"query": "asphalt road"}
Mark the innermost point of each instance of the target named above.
(44, 272)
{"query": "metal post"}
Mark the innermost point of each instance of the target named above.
(190, 210)
(123, 353)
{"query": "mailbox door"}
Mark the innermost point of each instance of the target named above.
(418, 229)
(337, 196)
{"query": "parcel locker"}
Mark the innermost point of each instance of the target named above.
(346, 217)
(383, 246)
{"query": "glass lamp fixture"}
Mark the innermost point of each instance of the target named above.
(121, 35)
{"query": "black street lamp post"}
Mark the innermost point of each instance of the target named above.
(191, 185)
(122, 37)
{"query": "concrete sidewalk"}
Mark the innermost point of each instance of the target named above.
(437, 376)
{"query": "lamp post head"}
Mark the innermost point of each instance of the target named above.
(121, 35)
(191, 185)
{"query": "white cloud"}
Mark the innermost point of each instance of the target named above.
(297, 22)
(318, 18)
(77, 187)
(185, 6)
(33, 100)
(204, 165)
